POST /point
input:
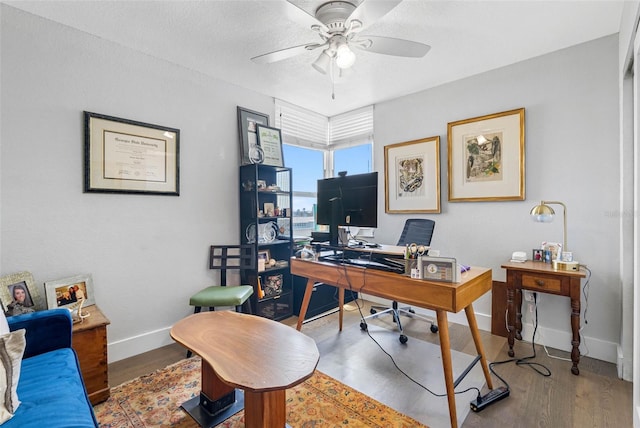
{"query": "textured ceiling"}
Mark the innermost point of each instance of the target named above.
(218, 38)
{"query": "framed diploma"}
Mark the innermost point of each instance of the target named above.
(248, 121)
(270, 141)
(125, 156)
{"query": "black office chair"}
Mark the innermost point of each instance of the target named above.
(416, 231)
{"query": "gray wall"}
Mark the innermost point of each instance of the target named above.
(571, 113)
(148, 254)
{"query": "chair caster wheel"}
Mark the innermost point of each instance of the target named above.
(372, 311)
(403, 339)
(434, 328)
(363, 326)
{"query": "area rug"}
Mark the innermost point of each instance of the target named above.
(154, 401)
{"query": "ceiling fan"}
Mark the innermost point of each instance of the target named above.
(339, 23)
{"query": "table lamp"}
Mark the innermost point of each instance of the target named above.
(543, 213)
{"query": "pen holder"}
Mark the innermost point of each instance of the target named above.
(410, 264)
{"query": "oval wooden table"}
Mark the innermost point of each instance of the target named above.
(259, 356)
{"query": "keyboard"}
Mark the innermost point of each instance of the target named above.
(366, 263)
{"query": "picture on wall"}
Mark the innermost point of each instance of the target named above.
(412, 176)
(486, 157)
(125, 156)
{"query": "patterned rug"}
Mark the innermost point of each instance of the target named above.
(154, 401)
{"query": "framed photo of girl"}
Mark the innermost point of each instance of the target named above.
(19, 294)
(67, 292)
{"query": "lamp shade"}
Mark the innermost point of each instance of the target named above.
(542, 213)
(322, 63)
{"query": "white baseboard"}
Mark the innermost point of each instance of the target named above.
(552, 338)
(135, 345)
(557, 339)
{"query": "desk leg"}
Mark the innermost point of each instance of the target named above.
(265, 409)
(445, 349)
(341, 303)
(473, 326)
(305, 303)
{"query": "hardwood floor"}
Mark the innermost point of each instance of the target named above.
(595, 398)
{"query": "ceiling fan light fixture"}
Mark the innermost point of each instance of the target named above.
(345, 56)
(322, 63)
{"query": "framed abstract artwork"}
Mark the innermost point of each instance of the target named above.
(486, 157)
(412, 176)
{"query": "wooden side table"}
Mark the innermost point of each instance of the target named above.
(542, 278)
(260, 357)
(89, 340)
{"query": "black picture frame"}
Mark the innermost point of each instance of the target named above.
(127, 156)
(247, 132)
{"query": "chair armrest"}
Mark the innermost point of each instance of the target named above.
(46, 330)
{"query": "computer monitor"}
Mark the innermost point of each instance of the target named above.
(347, 200)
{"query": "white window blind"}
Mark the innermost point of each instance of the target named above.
(301, 127)
(351, 128)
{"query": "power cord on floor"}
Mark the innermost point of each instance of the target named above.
(363, 326)
(524, 361)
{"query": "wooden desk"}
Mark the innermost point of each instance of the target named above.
(260, 356)
(540, 277)
(89, 340)
(442, 297)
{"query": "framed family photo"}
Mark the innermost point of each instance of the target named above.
(19, 294)
(412, 176)
(486, 157)
(67, 292)
(125, 156)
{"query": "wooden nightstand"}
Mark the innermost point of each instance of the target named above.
(90, 343)
(540, 277)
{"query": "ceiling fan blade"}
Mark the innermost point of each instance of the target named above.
(296, 14)
(370, 11)
(391, 46)
(281, 54)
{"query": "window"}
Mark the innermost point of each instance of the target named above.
(316, 147)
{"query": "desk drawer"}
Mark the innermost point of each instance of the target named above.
(542, 283)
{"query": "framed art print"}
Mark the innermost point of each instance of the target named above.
(412, 176)
(486, 157)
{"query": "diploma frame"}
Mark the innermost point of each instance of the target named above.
(248, 120)
(125, 156)
(270, 141)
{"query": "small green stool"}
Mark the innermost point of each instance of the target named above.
(223, 258)
(220, 295)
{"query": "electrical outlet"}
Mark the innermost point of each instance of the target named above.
(528, 296)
